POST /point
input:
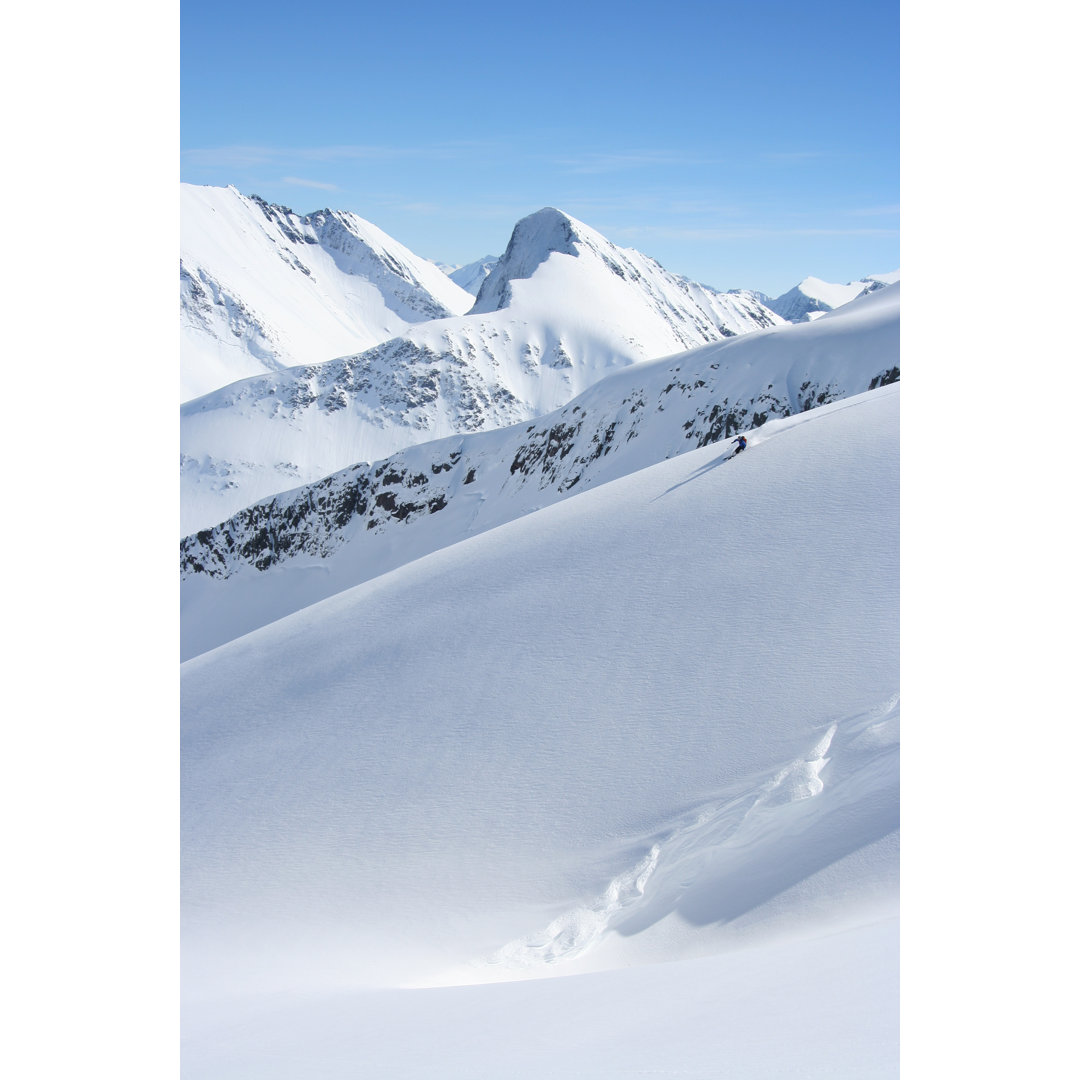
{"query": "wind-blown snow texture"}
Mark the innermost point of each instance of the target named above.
(562, 308)
(263, 288)
(303, 545)
(656, 721)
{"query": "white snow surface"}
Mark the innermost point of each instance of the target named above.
(634, 418)
(822, 1007)
(645, 738)
(471, 276)
(812, 297)
(563, 308)
(831, 295)
(263, 288)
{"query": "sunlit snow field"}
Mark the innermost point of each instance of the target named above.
(633, 758)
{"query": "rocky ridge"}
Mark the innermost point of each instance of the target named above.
(562, 309)
(426, 496)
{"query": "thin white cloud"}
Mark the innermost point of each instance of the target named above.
(649, 205)
(463, 211)
(877, 211)
(793, 155)
(246, 157)
(750, 232)
(298, 182)
(606, 163)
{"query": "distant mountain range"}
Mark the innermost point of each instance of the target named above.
(500, 664)
(263, 288)
(471, 276)
(561, 308)
(812, 297)
(369, 518)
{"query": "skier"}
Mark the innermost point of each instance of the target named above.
(740, 445)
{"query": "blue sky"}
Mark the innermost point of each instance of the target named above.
(741, 144)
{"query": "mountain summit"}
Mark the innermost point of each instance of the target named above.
(561, 309)
(585, 702)
(264, 288)
(534, 239)
(472, 275)
(812, 297)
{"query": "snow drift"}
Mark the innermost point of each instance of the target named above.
(563, 748)
(653, 722)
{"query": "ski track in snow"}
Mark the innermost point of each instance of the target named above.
(702, 847)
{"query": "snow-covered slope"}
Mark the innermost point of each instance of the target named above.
(285, 552)
(562, 308)
(812, 297)
(471, 276)
(656, 721)
(816, 1008)
(262, 288)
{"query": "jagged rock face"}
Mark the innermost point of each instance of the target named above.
(403, 383)
(220, 314)
(583, 309)
(558, 454)
(534, 240)
(263, 288)
(632, 419)
(396, 277)
(694, 314)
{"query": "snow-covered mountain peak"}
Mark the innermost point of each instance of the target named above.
(533, 240)
(361, 249)
(366, 519)
(263, 288)
(813, 297)
(472, 275)
(879, 297)
(562, 308)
